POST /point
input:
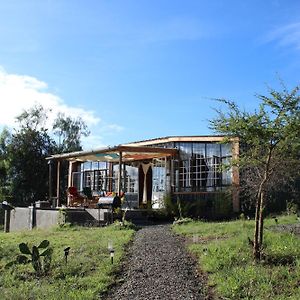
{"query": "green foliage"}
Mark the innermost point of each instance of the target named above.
(28, 167)
(205, 206)
(181, 221)
(224, 252)
(270, 144)
(23, 168)
(62, 217)
(41, 262)
(5, 137)
(89, 271)
(292, 208)
(272, 130)
(125, 225)
(69, 132)
(160, 215)
(170, 206)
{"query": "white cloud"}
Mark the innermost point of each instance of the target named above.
(93, 142)
(286, 36)
(109, 128)
(19, 92)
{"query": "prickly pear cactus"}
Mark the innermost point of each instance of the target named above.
(41, 262)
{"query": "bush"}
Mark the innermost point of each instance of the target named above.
(171, 207)
(201, 206)
(291, 208)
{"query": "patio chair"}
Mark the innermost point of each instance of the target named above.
(87, 191)
(92, 199)
(76, 199)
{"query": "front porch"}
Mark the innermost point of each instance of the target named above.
(140, 176)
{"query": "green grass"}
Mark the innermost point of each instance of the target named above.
(224, 254)
(88, 273)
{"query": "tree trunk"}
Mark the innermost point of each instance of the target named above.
(256, 245)
(261, 220)
(259, 226)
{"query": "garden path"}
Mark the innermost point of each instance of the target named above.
(158, 267)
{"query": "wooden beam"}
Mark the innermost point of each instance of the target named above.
(120, 174)
(70, 180)
(70, 172)
(117, 149)
(211, 138)
(50, 163)
(235, 178)
(58, 183)
(147, 149)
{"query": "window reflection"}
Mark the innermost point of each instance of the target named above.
(199, 167)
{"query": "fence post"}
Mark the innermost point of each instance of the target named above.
(32, 217)
(7, 220)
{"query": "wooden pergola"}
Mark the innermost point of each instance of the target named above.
(118, 154)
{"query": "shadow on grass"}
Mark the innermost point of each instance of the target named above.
(280, 260)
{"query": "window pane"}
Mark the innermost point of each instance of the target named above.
(213, 150)
(226, 150)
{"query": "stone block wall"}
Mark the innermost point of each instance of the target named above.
(27, 218)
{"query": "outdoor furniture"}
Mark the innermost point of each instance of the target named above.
(87, 191)
(76, 199)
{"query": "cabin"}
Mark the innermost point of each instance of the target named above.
(145, 172)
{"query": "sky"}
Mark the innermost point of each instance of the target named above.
(141, 69)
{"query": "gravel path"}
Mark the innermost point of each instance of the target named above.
(158, 267)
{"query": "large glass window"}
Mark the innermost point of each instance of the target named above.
(159, 175)
(131, 179)
(226, 151)
(199, 167)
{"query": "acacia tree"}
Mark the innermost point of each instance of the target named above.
(270, 147)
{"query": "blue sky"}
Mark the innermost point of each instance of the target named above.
(141, 69)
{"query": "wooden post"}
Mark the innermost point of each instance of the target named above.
(120, 174)
(235, 177)
(70, 180)
(50, 162)
(124, 177)
(58, 183)
(7, 220)
(110, 176)
(70, 173)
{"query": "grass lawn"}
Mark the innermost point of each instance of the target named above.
(88, 272)
(224, 254)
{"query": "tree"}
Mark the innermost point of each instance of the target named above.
(69, 132)
(5, 137)
(270, 147)
(23, 167)
(28, 148)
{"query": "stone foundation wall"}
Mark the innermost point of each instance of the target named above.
(27, 218)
